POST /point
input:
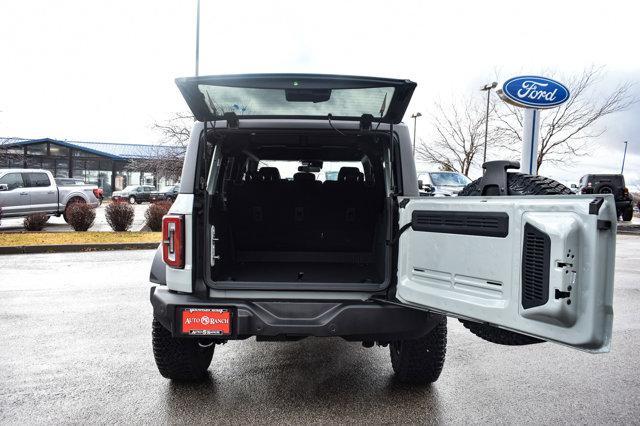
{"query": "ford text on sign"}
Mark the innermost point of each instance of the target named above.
(534, 92)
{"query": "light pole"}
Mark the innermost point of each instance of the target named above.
(415, 122)
(198, 38)
(487, 88)
(624, 156)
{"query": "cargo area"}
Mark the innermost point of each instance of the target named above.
(299, 209)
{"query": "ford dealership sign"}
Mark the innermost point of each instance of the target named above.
(534, 92)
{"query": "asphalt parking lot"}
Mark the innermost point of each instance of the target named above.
(76, 349)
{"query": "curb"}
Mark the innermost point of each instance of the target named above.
(72, 248)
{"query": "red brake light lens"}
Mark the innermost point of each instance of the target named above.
(173, 241)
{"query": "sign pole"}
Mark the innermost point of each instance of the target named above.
(532, 93)
(530, 136)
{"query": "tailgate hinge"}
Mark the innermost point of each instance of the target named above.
(402, 204)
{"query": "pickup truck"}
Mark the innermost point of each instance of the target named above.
(28, 191)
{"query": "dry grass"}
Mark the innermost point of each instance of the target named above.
(55, 238)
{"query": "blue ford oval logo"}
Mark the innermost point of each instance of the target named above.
(534, 92)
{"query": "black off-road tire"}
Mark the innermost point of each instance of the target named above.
(179, 359)
(420, 361)
(518, 184)
(498, 335)
(521, 184)
(627, 214)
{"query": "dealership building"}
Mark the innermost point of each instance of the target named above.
(111, 166)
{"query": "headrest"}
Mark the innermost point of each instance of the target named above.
(349, 174)
(304, 177)
(268, 174)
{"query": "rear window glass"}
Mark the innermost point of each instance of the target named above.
(281, 102)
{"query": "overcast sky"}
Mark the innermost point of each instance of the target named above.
(104, 70)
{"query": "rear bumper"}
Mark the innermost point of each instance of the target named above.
(282, 320)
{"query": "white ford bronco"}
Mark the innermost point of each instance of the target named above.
(299, 215)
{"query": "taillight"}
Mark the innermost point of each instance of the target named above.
(173, 240)
(625, 191)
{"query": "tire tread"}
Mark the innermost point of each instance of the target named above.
(421, 360)
(179, 359)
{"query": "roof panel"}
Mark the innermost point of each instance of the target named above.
(116, 151)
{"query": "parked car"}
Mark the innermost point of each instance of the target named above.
(79, 182)
(442, 184)
(166, 193)
(133, 194)
(27, 191)
(246, 253)
(609, 184)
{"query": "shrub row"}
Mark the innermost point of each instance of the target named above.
(119, 216)
(154, 214)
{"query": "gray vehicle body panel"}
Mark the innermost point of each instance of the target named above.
(50, 199)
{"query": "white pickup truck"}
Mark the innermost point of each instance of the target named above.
(28, 191)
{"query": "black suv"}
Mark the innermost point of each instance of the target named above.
(609, 184)
(168, 193)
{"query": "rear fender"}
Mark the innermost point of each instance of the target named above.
(158, 273)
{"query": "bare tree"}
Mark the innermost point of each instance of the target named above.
(166, 160)
(11, 154)
(458, 136)
(569, 130)
(176, 130)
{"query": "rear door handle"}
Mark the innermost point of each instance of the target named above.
(24, 193)
(51, 192)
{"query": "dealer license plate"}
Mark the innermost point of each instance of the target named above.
(206, 321)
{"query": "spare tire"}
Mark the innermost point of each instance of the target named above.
(518, 184)
(604, 189)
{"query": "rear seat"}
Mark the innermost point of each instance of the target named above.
(350, 211)
(253, 209)
(304, 214)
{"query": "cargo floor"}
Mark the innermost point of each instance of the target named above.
(303, 272)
